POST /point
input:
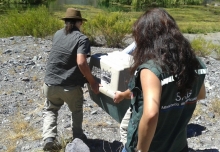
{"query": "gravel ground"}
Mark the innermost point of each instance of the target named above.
(22, 67)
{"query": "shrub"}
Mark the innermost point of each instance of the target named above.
(18, 129)
(216, 105)
(202, 47)
(198, 27)
(198, 111)
(37, 22)
(217, 50)
(187, 18)
(112, 26)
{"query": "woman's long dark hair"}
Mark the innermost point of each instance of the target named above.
(70, 25)
(158, 38)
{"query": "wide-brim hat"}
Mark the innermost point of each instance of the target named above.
(72, 13)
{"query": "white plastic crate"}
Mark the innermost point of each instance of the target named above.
(112, 71)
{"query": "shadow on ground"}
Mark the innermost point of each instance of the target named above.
(205, 150)
(97, 145)
(194, 130)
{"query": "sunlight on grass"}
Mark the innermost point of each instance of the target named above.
(216, 105)
(39, 108)
(202, 47)
(198, 111)
(40, 22)
(112, 26)
(196, 19)
(36, 22)
(19, 130)
(191, 19)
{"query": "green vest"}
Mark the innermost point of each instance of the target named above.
(174, 112)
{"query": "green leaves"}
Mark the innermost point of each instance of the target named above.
(36, 22)
(112, 26)
(204, 48)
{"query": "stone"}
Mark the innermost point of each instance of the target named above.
(77, 145)
(24, 98)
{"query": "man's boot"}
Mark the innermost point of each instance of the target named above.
(51, 144)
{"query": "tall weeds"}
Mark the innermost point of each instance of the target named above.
(216, 105)
(204, 48)
(37, 22)
(112, 26)
(18, 130)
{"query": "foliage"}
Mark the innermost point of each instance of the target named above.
(217, 50)
(36, 22)
(216, 105)
(189, 22)
(140, 4)
(7, 2)
(185, 16)
(19, 129)
(112, 26)
(204, 48)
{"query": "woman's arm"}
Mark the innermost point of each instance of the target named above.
(202, 93)
(119, 96)
(151, 88)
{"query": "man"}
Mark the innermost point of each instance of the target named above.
(66, 72)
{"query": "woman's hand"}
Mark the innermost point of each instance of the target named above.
(119, 96)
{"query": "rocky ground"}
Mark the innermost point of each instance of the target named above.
(22, 67)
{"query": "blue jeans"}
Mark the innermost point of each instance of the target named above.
(124, 150)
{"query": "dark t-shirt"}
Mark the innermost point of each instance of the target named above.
(61, 66)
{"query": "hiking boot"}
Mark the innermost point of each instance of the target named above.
(51, 144)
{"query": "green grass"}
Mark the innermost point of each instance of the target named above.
(216, 105)
(205, 48)
(112, 26)
(37, 22)
(197, 19)
(19, 130)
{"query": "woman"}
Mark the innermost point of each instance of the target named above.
(168, 80)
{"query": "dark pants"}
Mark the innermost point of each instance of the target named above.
(185, 149)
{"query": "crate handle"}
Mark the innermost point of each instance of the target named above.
(107, 92)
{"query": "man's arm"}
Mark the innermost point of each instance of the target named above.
(84, 68)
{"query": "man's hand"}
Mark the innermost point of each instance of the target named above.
(84, 68)
(95, 87)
